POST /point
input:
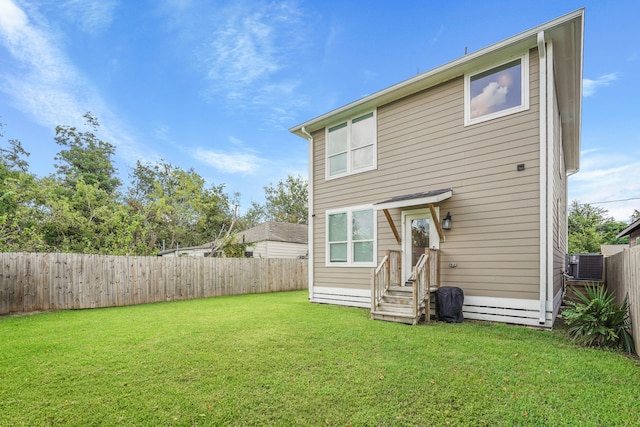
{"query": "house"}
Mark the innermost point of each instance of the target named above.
(608, 250)
(194, 251)
(633, 231)
(467, 162)
(276, 240)
(267, 240)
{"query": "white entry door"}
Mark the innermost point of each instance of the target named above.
(418, 233)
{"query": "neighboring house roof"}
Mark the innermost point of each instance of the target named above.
(565, 32)
(188, 248)
(608, 250)
(276, 232)
(634, 226)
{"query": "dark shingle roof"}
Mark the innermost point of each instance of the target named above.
(630, 229)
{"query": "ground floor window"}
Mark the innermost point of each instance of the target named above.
(351, 236)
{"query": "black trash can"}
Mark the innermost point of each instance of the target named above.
(449, 300)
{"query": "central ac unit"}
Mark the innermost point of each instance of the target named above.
(586, 267)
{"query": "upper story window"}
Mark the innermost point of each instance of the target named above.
(497, 91)
(351, 146)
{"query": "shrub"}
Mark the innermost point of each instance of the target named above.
(597, 321)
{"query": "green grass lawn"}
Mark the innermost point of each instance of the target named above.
(276, 359)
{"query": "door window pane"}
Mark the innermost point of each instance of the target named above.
(419, 238)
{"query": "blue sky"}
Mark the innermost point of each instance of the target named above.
(214, 85)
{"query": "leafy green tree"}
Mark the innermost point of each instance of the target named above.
(80, 208)
(85, 156)
(177, 204)
(81, 199)
(286, 201)
(19, 197)
(589, 227)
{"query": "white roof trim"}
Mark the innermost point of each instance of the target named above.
(567, 33)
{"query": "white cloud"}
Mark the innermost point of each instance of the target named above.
(250, 46)
(12, 19)
(242, 50)
(436, 37)
(43, 83)
(492, 95)
(605, 177)
(589, 86)
(90, 15)
(228, 162)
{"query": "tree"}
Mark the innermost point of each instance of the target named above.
(287, 201)
(177, 205)
(20, 193)
(635, 216)
(81, 209)
(589, 227)
(85, 156)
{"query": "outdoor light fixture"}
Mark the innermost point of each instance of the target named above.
(446, 222)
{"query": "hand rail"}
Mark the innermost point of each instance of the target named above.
(419, 284)
(426, 276)
(386, 274)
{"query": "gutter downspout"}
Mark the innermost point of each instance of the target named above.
(552, 167)
(543, 178)
(310, 214)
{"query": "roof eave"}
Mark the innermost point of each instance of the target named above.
(568, 44)
(630, 229)
(459, 67)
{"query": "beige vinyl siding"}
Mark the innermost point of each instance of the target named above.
(560, 202)
(273, 249)
(423, 145)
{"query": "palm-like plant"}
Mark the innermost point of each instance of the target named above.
(596, 320)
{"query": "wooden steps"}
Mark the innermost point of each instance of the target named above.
(395, 303)
(397, 306)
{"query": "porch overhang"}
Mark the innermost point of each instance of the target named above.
(427, 198)
(415, 199)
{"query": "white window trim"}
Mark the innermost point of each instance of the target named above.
(524, 95)
(349, 211)
(350, 171)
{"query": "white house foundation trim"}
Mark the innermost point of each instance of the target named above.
(557, 302)
(342, 296)
(507, 310)
(503, 310)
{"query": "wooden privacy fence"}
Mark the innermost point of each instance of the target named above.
(59, 281)
(623, 277)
